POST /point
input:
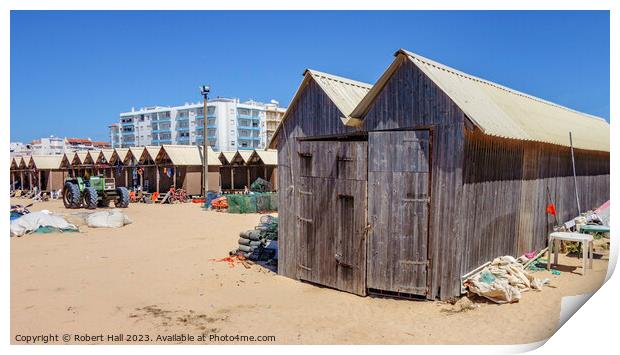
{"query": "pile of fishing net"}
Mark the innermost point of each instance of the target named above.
(503, 281)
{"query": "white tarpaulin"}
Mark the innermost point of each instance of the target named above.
(32, 221)
(503, 281)
(107, 219)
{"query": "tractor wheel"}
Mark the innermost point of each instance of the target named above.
(71, 195)
(122, 201)
(90, 198)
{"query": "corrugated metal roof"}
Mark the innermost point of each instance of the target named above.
(135, 152)
(228, 156)
(65, 161)
(120, 154)
(344, 93)
(504, 112)
(79, 158)
(44, 162)
(106, 154)
(150, 152)
(242, 156)
(268, 157)
(23, 162)
(189, 155)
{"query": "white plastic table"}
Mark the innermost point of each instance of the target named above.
(587, 247)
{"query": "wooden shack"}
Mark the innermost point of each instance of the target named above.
(25, 174)
(82, 164)
(16, 182)
(226, 169)
(180, 166)
(149, 168)
(239, 173)
(263, 163)
(119, 170)
(431, 173)
(47, 172)
(102, 162)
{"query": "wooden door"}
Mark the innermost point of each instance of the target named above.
(331, 216)
(398, 211)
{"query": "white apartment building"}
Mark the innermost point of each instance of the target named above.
(55, 145)
(231, 125)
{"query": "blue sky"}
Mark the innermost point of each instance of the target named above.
(73, 72)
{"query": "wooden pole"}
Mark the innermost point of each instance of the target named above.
(232, 178)
(50, 185)
(12, 180)
(39, 182)
(572, 154)
(157, 179)
(174, 177)
(21, 180)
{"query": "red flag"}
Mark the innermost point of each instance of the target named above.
(551, 209)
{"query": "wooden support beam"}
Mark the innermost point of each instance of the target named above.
(157, 178)
(232, 178)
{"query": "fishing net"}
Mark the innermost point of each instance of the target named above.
(241, 203)
(253, 203)
(260, 185)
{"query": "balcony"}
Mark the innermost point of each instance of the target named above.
(128, 133)
(127, 124)
(182, 129)
(163, 130)
(200, 127)
(249, 138)
(211, 115)
(162, 141)
(249, 127)
(162, 120)
(247, 117)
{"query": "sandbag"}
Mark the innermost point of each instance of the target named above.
(107, 219)
(32, 221)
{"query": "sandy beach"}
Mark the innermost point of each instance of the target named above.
(159, 276)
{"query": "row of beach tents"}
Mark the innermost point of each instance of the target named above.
(151, 168)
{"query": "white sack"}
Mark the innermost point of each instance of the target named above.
(508, 280)
(107, 219)
(32, 221)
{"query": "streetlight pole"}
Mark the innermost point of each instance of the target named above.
(204, 90)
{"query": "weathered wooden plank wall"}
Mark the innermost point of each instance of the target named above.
(331, 194)
(313, 115)
(410, 100)
(506, 184)
(398, 210)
